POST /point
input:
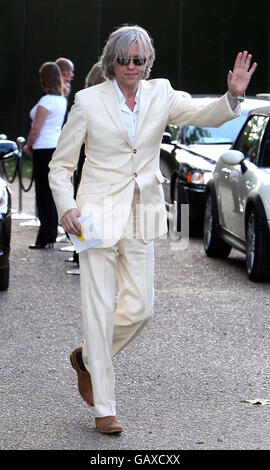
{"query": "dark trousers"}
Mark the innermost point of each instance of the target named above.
(77, 179)
(46, 209)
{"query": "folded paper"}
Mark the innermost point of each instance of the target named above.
(89, 238)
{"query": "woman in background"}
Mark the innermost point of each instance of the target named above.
(47, 116)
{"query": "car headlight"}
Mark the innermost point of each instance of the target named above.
(198, 177)
(3, 201)
(195, 177)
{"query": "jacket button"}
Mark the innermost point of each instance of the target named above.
(134, 150)
(135, 175)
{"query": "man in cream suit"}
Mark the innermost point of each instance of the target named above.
(121, 122)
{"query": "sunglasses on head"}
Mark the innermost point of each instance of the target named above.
(136, 60)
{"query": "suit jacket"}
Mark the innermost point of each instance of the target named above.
(113, 165)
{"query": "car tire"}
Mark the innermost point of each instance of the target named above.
(257, 247)
(214, 246)
(195, 226)
(4, 278)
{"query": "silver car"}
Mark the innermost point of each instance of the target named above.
(237, 210)
(188, 159)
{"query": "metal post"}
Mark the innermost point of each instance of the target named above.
(19, 214)
(20, 144)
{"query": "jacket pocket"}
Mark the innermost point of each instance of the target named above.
(159, 176)
(94, 187)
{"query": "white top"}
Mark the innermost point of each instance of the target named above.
(130, 118)
(51, 129)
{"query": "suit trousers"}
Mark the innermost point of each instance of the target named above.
(117, 291)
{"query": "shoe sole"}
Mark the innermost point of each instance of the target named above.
(70, 357)
(110, 432)
(75, 368)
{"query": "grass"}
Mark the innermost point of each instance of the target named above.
(10, 165)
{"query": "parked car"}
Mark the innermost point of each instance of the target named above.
(8, 149)
(188, 156)
(237, 210)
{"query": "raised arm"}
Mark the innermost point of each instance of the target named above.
(239, 78)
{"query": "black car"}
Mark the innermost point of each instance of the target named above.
(187, 158)
(8, 149)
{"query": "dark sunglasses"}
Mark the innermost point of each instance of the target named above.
(125, 61)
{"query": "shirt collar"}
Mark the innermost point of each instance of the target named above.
(120, 95)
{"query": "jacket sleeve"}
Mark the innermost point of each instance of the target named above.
(65, 158)
(183, 111)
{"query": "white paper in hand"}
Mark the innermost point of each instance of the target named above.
(90, 237)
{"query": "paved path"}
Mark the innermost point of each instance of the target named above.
(180, 384)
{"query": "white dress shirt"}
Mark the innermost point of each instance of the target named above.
(130, 118)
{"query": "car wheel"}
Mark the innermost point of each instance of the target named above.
(214, 246)
(4, 278)
(257, 247)
(195, 226)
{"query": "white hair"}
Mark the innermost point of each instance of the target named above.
(119, 43)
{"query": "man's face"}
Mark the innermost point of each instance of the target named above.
(129, 75)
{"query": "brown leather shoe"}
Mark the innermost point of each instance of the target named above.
(108, 425)
(84, 379)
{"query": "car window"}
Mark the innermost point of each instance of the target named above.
(249, 140)
(225, 134)
(175, 131)
(265, 152)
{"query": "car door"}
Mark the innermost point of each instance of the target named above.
(236, 181)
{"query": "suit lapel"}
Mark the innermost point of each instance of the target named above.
(110, 100)
(145, 100)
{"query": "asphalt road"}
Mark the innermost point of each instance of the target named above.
(184, 383)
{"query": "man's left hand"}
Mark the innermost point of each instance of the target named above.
(239, 78)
